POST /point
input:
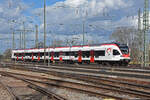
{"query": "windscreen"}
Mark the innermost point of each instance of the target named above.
(124, 49)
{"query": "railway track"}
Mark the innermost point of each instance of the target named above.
(93, 67)
(103, 81)
(130, 68)
(129, 73)
(85, 87)
(10, 92)
(44, 92)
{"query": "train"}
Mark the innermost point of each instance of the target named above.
(105, 54)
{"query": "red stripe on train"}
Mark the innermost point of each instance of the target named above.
(126, 55)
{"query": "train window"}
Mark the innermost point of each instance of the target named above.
(66, 53)
(15, 54)
(19, 54)
(99, 53)
(71, 53)
(116, 52)
(76, 54)
(85, 54)
(46, 53)
(62, 53)
(41, 54)
(28, 54)
(56, 54)
(35, 54)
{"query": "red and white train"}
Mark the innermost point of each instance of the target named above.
(109, 53)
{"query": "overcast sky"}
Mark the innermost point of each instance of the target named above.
(65, 18)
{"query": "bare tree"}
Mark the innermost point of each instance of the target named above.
(129, 36)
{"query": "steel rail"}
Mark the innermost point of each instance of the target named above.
(110, 72)
(36, 87)
(110, 87)
(13, 96)
(60, 83)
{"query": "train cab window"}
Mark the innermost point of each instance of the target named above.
(116, 52)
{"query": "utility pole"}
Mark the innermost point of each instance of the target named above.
(139, 20)
(13, 40)
(83, 31)
(44, 32)
(145, 30)
(24, 36)
(140, 39)
(36, 36)
(20, 40)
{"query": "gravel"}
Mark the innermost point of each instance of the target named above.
(4, 94)
(73, 95)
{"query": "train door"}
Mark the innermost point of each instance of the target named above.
(38, 56)
(80, 56)
(32, 57)
(60, 56)
(116, 54)
(22, 56)
(92, 56)
(17, 56)
(52, 56)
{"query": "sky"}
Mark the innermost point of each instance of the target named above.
(65, 20)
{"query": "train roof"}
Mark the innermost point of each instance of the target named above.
(113, 43)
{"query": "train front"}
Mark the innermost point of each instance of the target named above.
(125, 57)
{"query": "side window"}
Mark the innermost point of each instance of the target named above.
(76, 54)
(116, 52)
(85, 54)
(35, 54)
(56, 54)
(99, 53)
(15, 54)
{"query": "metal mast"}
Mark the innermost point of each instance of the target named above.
(13, 40)
(20, 40)
(44, 31)
(140, 39)
(145, 31)
(83, 29)
(139, 20)
(24, 35)
(36, 36)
